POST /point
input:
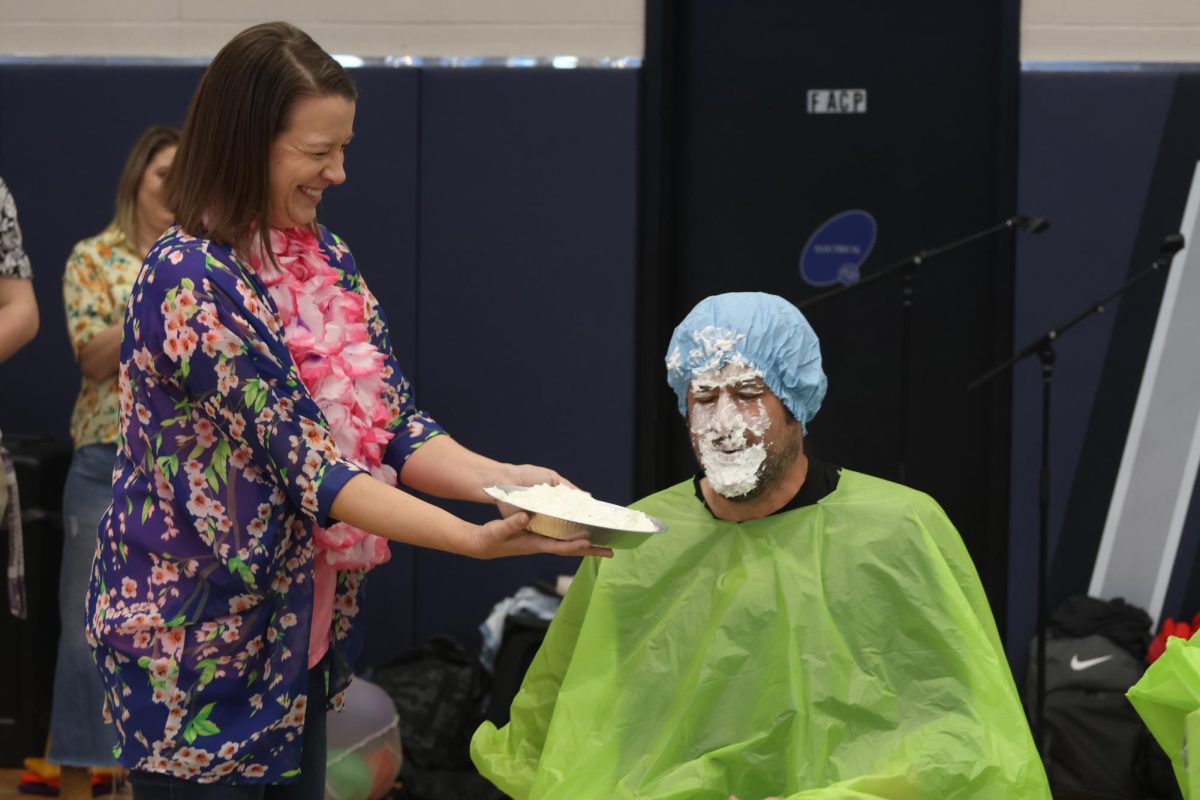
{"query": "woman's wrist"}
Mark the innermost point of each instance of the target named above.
(466, 539)
(501, 474)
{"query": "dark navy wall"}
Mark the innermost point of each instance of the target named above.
(1108, 157)
(492, 213)
(527, 267)
(375, 211)
(65, 133)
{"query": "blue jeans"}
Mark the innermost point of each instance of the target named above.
(79, 736)
(309, 786)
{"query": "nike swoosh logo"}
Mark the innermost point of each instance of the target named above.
(1080, 666)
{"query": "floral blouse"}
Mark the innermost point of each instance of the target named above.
(14, 263)
(201, 593)
(96, 285)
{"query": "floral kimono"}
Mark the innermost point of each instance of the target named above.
(202, 597)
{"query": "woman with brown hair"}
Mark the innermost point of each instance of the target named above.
(96, 286)
(265, 423)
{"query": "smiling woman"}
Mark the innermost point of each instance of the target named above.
(264, 426)
(308, 158)
(241, 128)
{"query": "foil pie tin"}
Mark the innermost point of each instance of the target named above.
(566, 529)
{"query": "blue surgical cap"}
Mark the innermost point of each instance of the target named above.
(762, 331)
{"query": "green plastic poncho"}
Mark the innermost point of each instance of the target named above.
(1167, 698)
(839, 650)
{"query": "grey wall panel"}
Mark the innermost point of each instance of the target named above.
(527, 265)
(1159, 463)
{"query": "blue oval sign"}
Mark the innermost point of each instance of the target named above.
(837, 249)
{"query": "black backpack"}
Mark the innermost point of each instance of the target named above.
(1096, 745)
(439, 689)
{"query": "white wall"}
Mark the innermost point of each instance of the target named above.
(1062, 30)
(591, 28)
(1110, 30)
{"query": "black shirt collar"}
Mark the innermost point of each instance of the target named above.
(820, 482)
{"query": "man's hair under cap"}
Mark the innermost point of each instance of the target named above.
(762, 331)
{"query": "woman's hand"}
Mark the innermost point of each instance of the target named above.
(444, 468)
(384, 510)
(508, 537)
(530, 475)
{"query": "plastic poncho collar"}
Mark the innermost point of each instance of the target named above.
(762, 331)
(841, 650)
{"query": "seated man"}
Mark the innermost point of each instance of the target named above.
(800, 631)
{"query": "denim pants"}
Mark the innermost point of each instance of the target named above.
(309, 786)
(79, 737)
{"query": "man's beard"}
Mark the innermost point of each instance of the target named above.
(771, 472)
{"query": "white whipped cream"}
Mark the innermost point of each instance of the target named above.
(732, 465)
(573, 505)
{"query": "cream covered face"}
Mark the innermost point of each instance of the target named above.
(729, 417)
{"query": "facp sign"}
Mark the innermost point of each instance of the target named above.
(837, 101)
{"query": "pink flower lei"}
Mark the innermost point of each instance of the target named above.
(325, 328)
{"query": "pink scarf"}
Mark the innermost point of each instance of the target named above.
(325, 328)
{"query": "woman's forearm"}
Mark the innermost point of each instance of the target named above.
(444, 468)
(18, 315)
(377, 508)
(100, 358)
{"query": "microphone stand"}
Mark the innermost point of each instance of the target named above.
(908, 267)
(1043, 348)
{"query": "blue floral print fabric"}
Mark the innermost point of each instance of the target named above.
(201, 592)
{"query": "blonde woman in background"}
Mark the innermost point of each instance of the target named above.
(96, 286)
